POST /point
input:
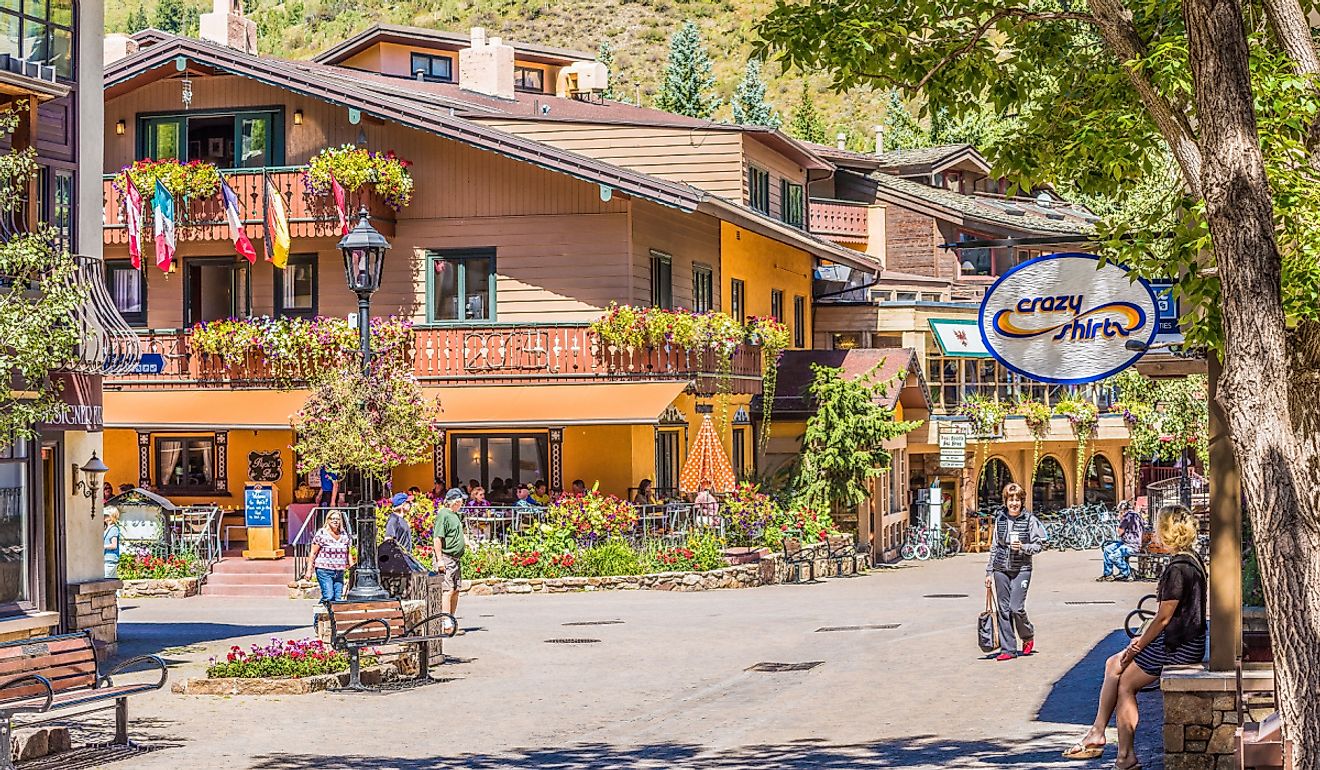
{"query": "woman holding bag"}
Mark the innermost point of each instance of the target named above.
(1018, 535)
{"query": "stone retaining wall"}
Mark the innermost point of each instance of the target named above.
(95, 609)
(1200, 715)
(165, 588)
(281, 686)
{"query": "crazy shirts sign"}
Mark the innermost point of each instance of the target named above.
(1065, 318)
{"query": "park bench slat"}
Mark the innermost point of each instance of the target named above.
(13, 665)
(36, 647)
(358, 606)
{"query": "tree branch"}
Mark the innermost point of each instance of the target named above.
(981, 31)
(1288, 22)
(1113, 21)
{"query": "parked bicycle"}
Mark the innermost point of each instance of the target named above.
(924, 543)
(1080, 528)
(1138, 619)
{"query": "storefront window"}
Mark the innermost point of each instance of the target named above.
(1100, 482)
(186, 464)
(15, 521)
(666, 462)
(990, 493)
(486, 458)
(1049, 493)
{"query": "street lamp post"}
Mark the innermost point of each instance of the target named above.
(364, 258)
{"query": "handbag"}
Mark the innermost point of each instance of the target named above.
(987, 626)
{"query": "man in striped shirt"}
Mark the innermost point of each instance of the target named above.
(1018, 535)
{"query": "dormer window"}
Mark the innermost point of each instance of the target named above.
(437, 69)
(529, 79)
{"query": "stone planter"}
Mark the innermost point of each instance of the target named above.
(282, 686)
(744, 555)
(164, 588)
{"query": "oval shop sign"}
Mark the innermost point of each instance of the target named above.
(1065, 318)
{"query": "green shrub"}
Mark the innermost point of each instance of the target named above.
(614, 557)
(484, 561)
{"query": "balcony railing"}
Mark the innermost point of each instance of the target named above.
(477, 355)
(310, 216)
(839, 219)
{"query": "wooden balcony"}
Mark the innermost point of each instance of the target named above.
(475, 355)
(839, 220)
(310, 216)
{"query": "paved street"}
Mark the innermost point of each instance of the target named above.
(668, 687)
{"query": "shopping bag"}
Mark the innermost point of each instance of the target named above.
(987, 629)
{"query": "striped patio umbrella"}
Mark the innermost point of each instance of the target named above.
(707, 462)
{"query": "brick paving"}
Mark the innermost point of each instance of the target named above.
(668, 687)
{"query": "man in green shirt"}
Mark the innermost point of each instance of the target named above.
(449, 545)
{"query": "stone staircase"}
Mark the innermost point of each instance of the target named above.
(238, 577)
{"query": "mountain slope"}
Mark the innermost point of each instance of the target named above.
(639, 31)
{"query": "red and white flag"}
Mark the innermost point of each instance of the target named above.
(133, 219)
(236, 234)
(341, 204)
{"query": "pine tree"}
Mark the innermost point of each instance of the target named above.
(902, 131)
(192, 21)
(605, 55)
(137, 20)
(807, 124)
(688, 88)
(168, 16)
(749, 105)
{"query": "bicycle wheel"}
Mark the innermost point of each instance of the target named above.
(1136, 622)
(921, 551)
(908, 552)
(1153, 599)
(953, 545)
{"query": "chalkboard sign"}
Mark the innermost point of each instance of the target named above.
(265, 466)
(258, 505)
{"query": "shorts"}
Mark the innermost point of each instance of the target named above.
(1154, 658)
(450, 570)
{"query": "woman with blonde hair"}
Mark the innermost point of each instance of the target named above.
(1175, 637)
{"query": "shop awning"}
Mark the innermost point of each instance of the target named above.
(531, 406)
(959, 337)
(513, 406)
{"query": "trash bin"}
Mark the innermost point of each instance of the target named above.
(400, 574)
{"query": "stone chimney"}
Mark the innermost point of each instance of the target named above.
(227, 25)
(118, 47)
(879, 139)
(486, 67)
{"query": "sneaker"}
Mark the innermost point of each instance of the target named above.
(1105, 579)
(1029, 646)
(1125, 579)
(1005, 656)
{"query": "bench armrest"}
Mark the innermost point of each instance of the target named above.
(38, 678)
(438, 616)
(341, 640)
(105, 681)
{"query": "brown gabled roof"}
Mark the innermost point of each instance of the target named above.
(848, 158)
(929, 160)
(1011, 214)
(795, 376)
(397, 33)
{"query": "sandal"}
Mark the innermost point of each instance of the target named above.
(1082, 751)
(1136, 765)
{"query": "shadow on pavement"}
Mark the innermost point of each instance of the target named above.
(1072, 699)
(150, 638)
(806, 754)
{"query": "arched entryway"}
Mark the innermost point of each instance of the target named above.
(1050, 491)
(990, 492)
(1101, 482)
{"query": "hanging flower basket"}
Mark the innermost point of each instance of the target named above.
(354, 167)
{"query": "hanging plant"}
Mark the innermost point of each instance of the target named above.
(986, 415)
(193, 180)
(354, 167)
(1085, 419)
(1037, 416)
(774, 339)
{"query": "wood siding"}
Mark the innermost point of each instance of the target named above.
(709, 160)
(757, 154)
(693, 239)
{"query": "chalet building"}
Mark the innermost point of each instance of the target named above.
(537, 204)
(52, 575)
(906, 207)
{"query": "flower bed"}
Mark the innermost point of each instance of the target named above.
(141, 565)
(292, 658)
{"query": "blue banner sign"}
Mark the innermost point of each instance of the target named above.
(1169, 330)
(258, 506)
(150, 363)
(1068, 318)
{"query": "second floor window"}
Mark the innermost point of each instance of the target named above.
(435, 68)
(737, 305)
(799, 322)
(529, 79)
(777, 305)
(792, 203)
(662, 280)
(758, 189)
(703, 289)
(236, 140)
(39, 32)
(461, 285)
(128, 289)
(295, 287)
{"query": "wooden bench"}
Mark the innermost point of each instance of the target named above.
(841, 548)
(795, 556)
(53, 673)
(355, 625)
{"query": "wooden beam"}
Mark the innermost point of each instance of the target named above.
(25, 136)
(1225, 537)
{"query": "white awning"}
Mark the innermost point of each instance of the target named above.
(959, 337)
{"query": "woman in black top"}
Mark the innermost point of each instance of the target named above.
(1176, 636)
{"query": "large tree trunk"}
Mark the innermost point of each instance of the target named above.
(1272, 399)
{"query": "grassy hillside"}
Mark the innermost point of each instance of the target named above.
(639, 30)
